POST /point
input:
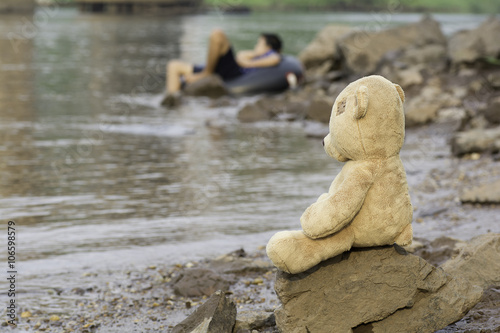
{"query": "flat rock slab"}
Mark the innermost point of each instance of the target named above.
(476, 141)
(378, 289)
(210, 86)
(487, 193)
(478, 261)
(216, 315)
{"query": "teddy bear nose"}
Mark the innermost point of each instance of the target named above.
(323, 142)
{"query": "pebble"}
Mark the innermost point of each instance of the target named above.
(54, 318)
(258, 281)
(26, 314)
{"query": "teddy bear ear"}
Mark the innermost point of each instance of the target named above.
(361, 102)
(400, 92)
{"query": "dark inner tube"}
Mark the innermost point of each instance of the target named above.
(270, 79)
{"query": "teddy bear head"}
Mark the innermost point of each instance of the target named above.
(367, 120)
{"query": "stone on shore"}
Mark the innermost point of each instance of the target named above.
(210, 86)
(471, 45)
(424, 108)
(246, 321)
(251, 113)
(476, 141)
(487, 193)
(377, 289)
(479, 260)
(324, 47)
(320, 110)
(287, 107)
(216, 315)
(492, 111)
(363, 50)
(197, 282)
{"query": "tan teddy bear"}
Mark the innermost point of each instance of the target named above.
(368, 202)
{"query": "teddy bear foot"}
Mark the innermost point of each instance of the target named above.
(293, 252)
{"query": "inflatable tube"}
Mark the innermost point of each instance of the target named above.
(269, 79)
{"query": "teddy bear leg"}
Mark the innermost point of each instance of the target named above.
(294, 252)
(405, 237)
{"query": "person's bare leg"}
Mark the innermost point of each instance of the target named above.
(218, 45)
(176, 69)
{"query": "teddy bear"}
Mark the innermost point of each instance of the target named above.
(367, 203)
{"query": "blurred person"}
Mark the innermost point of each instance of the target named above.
(221, 61)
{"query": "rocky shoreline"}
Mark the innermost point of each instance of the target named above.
(160, 297)
(445, 79)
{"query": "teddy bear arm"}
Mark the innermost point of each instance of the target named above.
(336, 210)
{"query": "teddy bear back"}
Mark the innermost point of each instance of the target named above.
(367, 119)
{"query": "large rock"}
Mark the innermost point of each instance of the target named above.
(364, 50)
(197, 282)
(424, 108)
(411, 66)
(378, 289)
(472, 45)
(283, 107)
(494, 79)
(217, 315)
(476, 141)
(320, 110)
(210, 86)
(479, 260)
(492, 111)
(487, 193)
(252, 112)
(324, 46)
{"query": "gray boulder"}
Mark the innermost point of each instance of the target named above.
(471, 45)
(216, 315)
(197, 282)
(252, 112)
(479, 260)
(487, 193)
(424, 108)
(363, 50)
(324, 47)
(284, 107)
(476, 141)
(492, 111)
(320, 110)
(376, 290)
(494, 79)
(210, 86)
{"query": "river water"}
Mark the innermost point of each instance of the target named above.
(99, 178)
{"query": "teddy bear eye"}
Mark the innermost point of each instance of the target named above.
(341, 107)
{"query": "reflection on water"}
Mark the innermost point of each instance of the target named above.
(98, 177)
